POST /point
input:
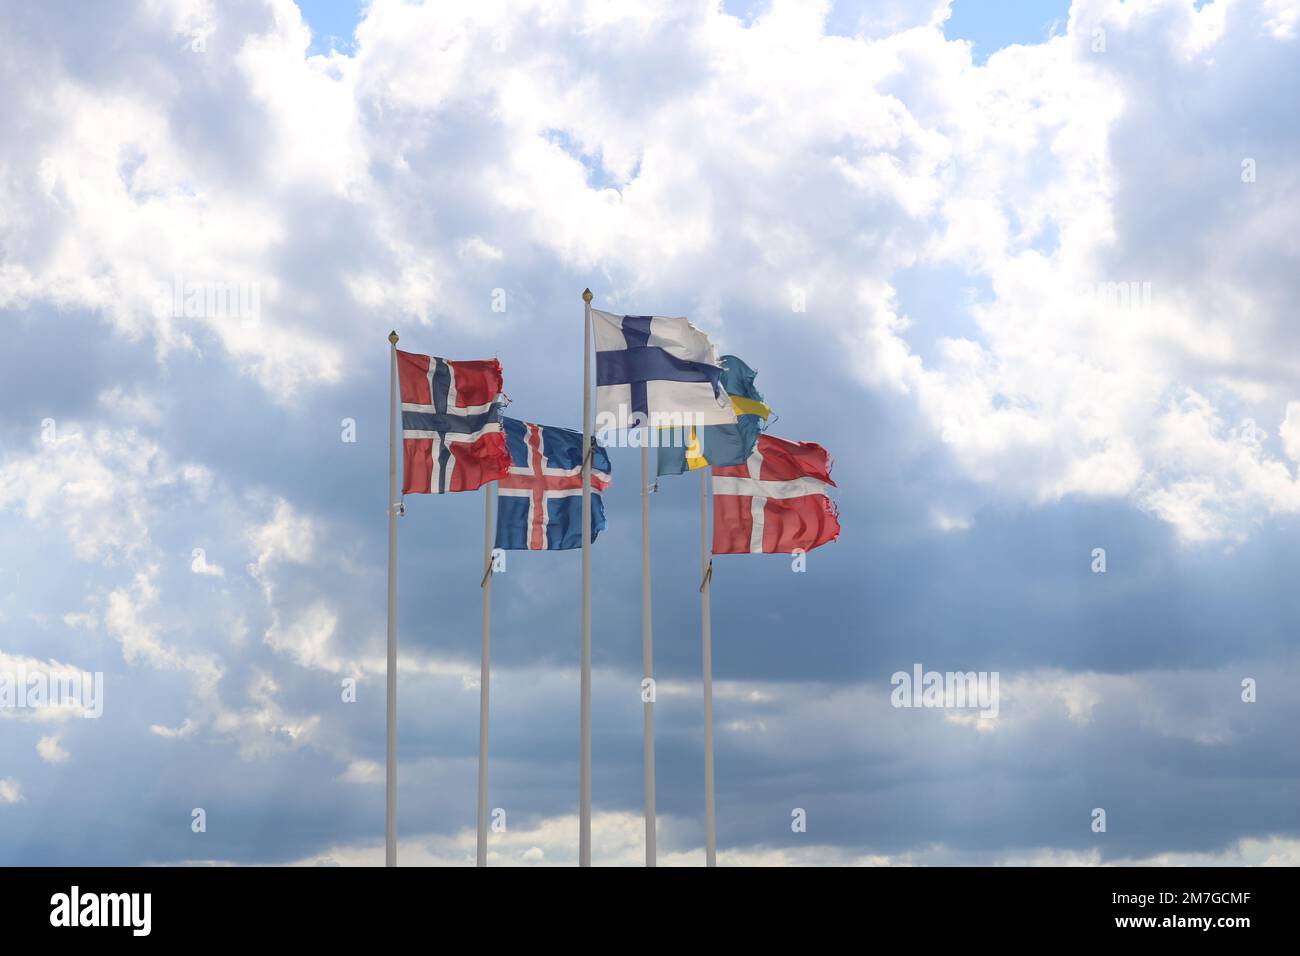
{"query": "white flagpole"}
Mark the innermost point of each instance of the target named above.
(647, 655)
(706, 574)
(489, 499)
(584, 773)
(390, 829)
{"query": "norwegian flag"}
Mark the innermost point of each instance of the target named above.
(451, 424)
(776, 501)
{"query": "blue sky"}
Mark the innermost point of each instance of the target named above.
(970, 235)
(989, 25)
(331, 23)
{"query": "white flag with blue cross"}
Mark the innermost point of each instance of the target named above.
(657, 372)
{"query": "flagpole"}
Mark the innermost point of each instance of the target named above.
(390, 828)
(706, 574)
(489, 498)
(584, 773)
(647, 656)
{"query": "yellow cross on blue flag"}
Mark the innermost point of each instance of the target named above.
(682, 450)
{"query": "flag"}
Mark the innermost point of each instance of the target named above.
(656, 371)
(451, 424)
(686, 449)
(776, 501)
(539, 503)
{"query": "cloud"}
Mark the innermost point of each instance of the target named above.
(286, 537)
(308, 639)
(1019, 172)
(1290, 431)
(50, 750)
(83, 620)
(99, 487)
(10, 790)
(134, 407)
(172, 733)
(127, 617)
(265, 727)
(364, 772)
(615, 843)
(1077, 379)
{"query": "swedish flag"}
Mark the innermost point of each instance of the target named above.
(682, 450)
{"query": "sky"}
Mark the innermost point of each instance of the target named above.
(1027, 271)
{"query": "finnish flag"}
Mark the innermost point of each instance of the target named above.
(656, 371)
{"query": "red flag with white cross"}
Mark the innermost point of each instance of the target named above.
(775, 502)
(451, 423)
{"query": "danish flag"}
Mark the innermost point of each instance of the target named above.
(776, 501)
(451, 424)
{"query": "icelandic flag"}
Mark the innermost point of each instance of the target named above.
(451, 424)
(656, 371)
(539, 503)
(682, 450)
(776, 502)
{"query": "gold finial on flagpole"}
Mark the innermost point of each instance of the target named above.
(586, 295)
(392, 336)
